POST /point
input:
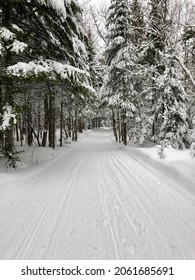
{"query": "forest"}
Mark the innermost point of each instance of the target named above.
(97, 136)
(69, 66)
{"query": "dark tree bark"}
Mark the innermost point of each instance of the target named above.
(7, 96)
(17, 132)
(114, 125)
(29, 126)
(75, 126)
(80, 125)
(69, 125)
(124, 128)
(52, 120)
(61, 123)
(46, 121)
(119, 126)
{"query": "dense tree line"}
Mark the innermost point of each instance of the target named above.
(51, 71)
(45, 78)
(149, 73)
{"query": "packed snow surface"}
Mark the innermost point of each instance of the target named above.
(97, 199)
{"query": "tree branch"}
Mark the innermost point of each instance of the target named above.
(186, 70)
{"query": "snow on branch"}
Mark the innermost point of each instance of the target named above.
(48, 67)
(58, 5)
(186, 70)
(6, 34)
(7, 116)
(15, 45)
(18, 46)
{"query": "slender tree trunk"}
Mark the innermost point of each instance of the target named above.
(52, 120)
(29, 127)
(61, 123)
(21, 131)
(80, 125)
(39, 122)
(9, 143)
(124, 128)
(46, 121)
(75, 126)
(114, 125)
(17, 132)
(119, 126)
(8, 87)
(69, 125)
(99, 122)
(73, 136)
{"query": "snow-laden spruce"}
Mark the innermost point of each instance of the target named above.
(170, 107)
(43, 42)
(123, 78)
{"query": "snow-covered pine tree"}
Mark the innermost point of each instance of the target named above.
(92, 112)
(46, 40)
(167, 96)
(157, 30)
(137, 23)
(119, 81)
(155, 46)
(139, 125)
(188, 40)
(171, 104)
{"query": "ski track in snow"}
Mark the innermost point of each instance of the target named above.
(96, 201)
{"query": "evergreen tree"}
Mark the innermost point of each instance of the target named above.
(44, 40)
(167, 95)
(156, 45)
(170, 106)
(119, 81)
(188, 40)
(157, 31)
(137, 23)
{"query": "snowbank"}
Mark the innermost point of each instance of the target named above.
(177, 164)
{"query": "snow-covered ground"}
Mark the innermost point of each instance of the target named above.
(97, 199)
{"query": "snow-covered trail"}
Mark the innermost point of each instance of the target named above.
(96, 201)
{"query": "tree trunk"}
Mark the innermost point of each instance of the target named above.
(9, 142)
(124, 128)
(69, 125)
(99, 122)
(75, 126)
(80, 125)
(39, 132)
(119, 126)
(61, 123)
(114, 125)
(21, 131)
(7, 97)
(46, 122)
(17, 132)
(29, 127)
(52, 121)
